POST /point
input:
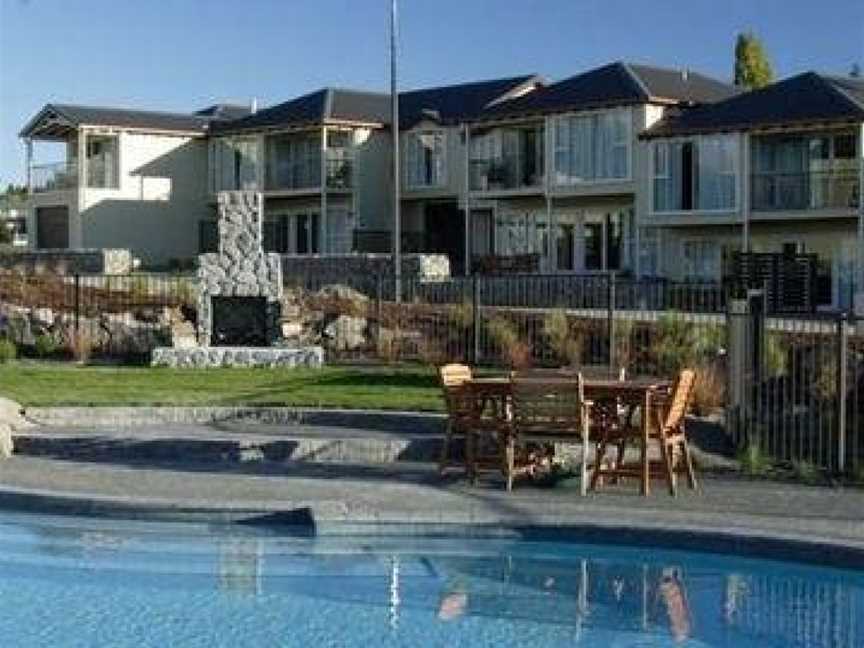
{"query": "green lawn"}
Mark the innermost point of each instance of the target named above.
(349, 387)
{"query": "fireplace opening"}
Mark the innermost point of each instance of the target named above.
(239, 321)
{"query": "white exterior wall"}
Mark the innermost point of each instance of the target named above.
(161, 197)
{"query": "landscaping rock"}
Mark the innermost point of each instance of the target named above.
(343, 293)
(346, 333)
(7, 446)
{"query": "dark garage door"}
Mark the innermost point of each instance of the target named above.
(52, 228)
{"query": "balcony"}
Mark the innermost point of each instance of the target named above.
(835, 189)
(58, 176)
(507, 173)
(305, 174)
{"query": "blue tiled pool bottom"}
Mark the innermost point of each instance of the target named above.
(89, 582)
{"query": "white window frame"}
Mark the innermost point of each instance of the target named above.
(563, 178)
(668, 142)
(413, 147)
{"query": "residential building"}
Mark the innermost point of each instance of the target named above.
(434, 161)
(13, 210)
(556, 172)
(321, 162)
(130, 179)
(777, 169)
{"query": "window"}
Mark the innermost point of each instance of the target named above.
(695, 175)
(701, 260)
(592, 147)
(424, 159)
(235, 164)
(102, 162)
(294, 162)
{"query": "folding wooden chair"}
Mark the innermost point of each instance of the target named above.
(460, 409)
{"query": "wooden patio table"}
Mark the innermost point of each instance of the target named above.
(634, 393)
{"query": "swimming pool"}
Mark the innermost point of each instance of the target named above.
(71, 581)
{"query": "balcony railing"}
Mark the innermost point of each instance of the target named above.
(53, 177)
(506, 173)
(837, 189)
(306, 174)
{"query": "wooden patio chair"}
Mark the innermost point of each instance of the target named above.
(460, 409)
(543, 413)
(671, 413)
(667, 429)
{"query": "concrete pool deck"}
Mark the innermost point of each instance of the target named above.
(817, 524)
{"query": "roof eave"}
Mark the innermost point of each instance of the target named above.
(749, 128)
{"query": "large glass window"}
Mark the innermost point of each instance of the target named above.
(294, 162)
(424, 159)
(698, 174)
(592, 147)
(234, 163)
(102, 162)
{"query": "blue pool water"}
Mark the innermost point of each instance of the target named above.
(90, 582)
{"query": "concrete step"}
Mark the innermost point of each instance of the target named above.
(229, 444)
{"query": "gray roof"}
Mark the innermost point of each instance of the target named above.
(76, 116)
(456, 103)
(327, 104)
(224, 111)
(616, 84)
(805, 98)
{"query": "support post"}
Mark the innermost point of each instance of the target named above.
(467, 200)
(28, 163)
(610, 314)
(397, 171)
(323, 247)
(475, 327)
(745, 192)
(859, 297)
(77, 300)
(842, 386)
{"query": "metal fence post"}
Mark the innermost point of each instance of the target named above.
(379, 289)
(610, 313)
(475, 328)
(77, 284)
(842, 386)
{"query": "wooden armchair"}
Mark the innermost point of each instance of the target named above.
(460, 409)
(671, 434)
(666, 420)
(543, 413)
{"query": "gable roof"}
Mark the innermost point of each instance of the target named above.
(65, 116)
(455, 103)
(316, 108)
(805, 98)
(615, 84)
(225, 111)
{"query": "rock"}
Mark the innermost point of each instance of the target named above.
(342, 292)
(346, 333)
(12, 414)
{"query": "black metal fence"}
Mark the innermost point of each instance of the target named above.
(83, 316)
(791, 385)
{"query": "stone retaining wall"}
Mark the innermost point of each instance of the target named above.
(102, 261)
(419, 266)
(206, 357)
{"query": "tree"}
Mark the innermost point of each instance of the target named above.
(855, 72)
(752, 67)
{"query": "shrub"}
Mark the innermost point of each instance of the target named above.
(81, 345)
(8, 351)
(776, 355)
(45, 345)
(462, 315)
(753, 460)
(515, 352)
(679, 343)
(566, 341)
(709, 392)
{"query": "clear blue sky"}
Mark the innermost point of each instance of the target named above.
(185, 54)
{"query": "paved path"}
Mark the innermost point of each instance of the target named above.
(823, 523)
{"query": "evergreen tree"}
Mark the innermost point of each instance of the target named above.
(855, 72)
(752, 67)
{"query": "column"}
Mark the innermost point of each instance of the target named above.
(859, 288)
(322, 236)
(745, 192)
(466, 202)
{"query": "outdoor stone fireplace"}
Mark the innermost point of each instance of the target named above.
(239, 300)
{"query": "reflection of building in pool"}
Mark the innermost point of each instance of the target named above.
(240, 565)
(798, 611)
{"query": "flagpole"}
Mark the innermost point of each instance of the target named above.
(397, 176)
